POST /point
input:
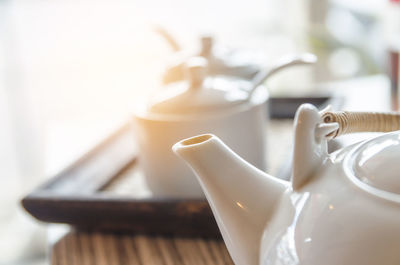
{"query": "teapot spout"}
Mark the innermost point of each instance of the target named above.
(242, 197)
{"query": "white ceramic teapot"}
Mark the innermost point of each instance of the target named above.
(338, 209)
(234, 109)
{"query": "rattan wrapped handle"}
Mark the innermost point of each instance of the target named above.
(350, 122)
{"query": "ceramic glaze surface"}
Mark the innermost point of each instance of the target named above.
(235, 192)
(332, 221)
(376, 163)
(338, 209)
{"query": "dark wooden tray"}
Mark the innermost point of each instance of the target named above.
(80, 194)
(77, 196)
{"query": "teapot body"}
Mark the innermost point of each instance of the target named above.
(332, 220)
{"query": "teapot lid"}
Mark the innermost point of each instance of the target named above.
(375, 165)
(199, 94)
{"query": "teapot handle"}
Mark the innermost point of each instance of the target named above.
(351, 122)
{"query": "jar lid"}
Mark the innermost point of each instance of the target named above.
(198, 94)
(375, 164)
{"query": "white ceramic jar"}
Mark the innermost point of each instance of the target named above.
(232, 108)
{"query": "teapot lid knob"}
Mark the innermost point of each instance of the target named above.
(196, 71)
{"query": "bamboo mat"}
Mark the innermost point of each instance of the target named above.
(83, 248)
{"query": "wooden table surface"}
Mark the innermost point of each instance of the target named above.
(85, 248)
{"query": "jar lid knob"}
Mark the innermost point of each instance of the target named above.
(196, 71)
(207, 43)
